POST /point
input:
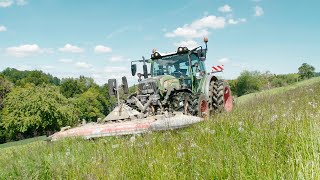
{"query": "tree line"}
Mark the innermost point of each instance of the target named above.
(34, 103)
(254, 81)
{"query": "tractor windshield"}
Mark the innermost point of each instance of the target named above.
(177, 65)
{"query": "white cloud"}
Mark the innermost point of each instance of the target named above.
(234, 21)
(102, 49)
(70, 48)
(225, 9)
(6, 3)
(258, 11)
(187, 32)
(24, 50)
(21, 2)
(198, 28)
(224, 60)
(189, 43)
(83, 65)
(65, 60)
(117, 58)
(3, 28)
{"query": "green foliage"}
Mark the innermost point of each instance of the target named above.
(71, 87)
(306, 71)
(249, 82)
(270, 136)
(5, 87)
(284, 80)
(35, 77)
(35, 110)
(92, 105)
(233, 86)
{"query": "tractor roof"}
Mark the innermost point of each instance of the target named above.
(180, 50)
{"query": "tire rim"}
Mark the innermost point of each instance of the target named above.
(227, 99)
(204, 108)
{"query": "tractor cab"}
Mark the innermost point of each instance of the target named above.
(186, 65)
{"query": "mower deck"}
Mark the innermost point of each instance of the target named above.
(137, 126)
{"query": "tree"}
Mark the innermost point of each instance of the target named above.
(36, 77)
(71, 87)
(5, 87)
(249, 82)
(233, 86)
(34, 110)
(92, 104)
(306, 71)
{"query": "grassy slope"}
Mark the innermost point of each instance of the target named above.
(268, 136)
(308, 82)
(23, 142)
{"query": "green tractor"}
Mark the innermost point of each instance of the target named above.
(176, 93)
(176, 83)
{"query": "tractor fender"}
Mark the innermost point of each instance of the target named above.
(206, 84)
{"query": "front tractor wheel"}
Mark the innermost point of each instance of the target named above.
(203, 107)
(221, 96)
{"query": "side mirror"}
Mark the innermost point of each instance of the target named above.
(125, 85)
(112, 86)
(202, 55)
(133, 69)
(145, 71)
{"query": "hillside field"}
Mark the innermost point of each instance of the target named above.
(274, 134)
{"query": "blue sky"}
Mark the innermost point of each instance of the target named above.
(68, 38)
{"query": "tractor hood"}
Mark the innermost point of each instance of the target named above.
(162, 83)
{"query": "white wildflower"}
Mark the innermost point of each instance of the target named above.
(274, 117)
(240, 129)
(114, 146)
(132, 139)
(180, 154)
(210, 131)
(68, 152)
(193, 145)
(313, 104)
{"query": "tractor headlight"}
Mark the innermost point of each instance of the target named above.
(182, 49)
(155, 55)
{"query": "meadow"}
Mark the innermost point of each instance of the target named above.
(269, 135)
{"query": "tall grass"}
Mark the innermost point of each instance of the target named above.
(272, 136)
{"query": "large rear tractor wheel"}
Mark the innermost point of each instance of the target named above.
(220, 96)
